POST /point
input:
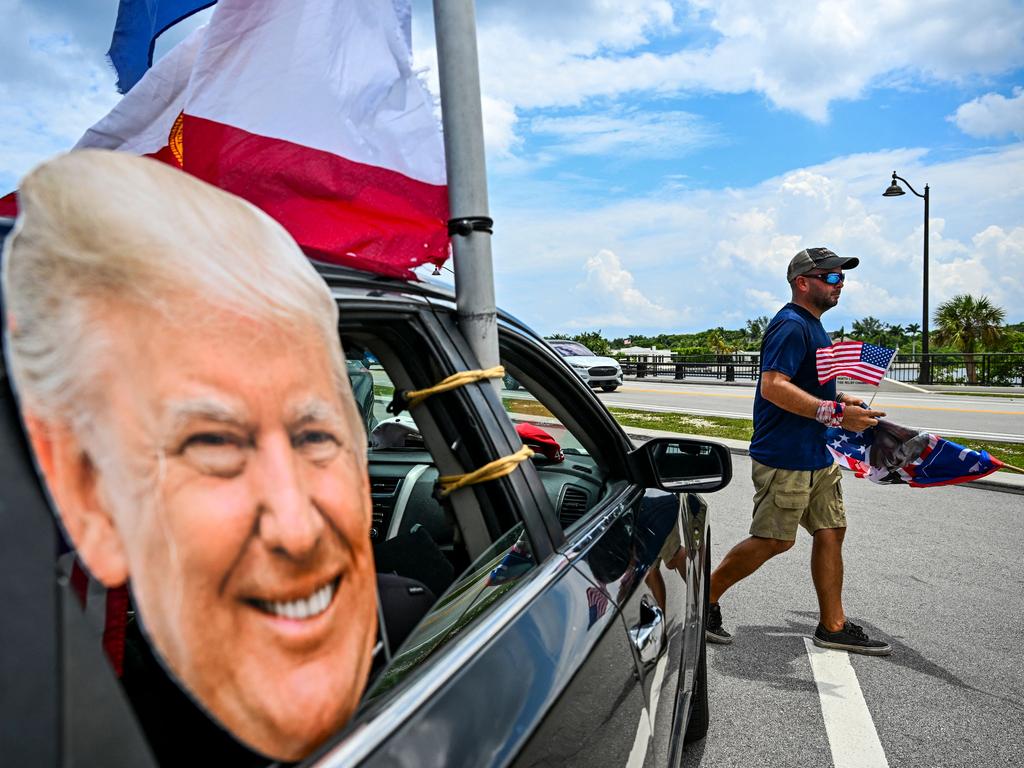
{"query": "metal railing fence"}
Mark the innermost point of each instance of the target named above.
(997, 369)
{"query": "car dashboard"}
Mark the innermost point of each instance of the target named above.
(402, 483)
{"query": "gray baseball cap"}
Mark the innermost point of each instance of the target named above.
(811, 259)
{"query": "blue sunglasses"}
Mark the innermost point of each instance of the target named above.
(831, 278)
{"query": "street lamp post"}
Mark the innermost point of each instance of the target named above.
(895, 190)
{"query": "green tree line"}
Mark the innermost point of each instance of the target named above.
(963, 324)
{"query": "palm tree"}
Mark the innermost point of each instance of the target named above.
(755, 328)
(870, 329)
(965, 322)
(716, 341)
(895, 335)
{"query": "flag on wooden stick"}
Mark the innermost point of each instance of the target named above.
(860, 361)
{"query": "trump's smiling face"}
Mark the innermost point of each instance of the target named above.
(234, 473)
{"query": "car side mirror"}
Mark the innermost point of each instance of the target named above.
(680, 464)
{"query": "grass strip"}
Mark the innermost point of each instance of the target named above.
(684, 423)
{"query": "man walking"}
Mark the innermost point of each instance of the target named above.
(795, 481)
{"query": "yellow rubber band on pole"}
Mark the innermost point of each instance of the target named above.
(462, 378)
(492, 471)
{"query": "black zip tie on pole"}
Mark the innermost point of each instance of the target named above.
(466, 225)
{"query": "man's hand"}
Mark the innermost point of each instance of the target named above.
(857, 418)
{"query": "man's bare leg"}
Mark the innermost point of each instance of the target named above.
(742, 560)
(827, 573)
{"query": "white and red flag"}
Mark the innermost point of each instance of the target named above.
(310, 110)
(860, 361)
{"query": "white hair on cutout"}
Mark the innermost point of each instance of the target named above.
(96, 227)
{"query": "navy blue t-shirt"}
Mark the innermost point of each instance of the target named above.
(783, 439)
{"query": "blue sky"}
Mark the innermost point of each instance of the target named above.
(653, 164)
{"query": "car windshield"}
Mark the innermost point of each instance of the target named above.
(571, 349)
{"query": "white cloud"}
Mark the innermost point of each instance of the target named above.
(764, 302)
(711, 256)
(610, 292)
(537, 55)
(57, 81)
(499, 126)
(42, 121)
(990, 265)
(800, 57)
(626, 133)
(992, 115)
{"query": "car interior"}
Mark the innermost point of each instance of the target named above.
(416, 533)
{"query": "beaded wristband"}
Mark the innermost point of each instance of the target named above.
(837, 415)
(830, 413)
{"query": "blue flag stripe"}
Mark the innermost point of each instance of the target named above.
(139, 23)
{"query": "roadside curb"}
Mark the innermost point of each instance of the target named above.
(1011, 483)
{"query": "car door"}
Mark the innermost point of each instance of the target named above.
(632, 543)
(517, 663)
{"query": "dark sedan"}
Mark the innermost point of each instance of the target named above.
(555, 615)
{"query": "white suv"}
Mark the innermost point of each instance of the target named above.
(597, 371)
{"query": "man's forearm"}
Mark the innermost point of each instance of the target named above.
(789, 397)
(780, 391)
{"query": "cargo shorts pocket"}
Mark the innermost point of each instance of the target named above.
(792, 500)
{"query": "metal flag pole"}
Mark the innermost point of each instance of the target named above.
(879, 384)
(470, 225)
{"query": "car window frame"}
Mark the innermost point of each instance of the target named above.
(362, 317)
(590, 422)
(588, 414)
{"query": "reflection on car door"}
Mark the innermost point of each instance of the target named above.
(630, 549)
(546, 678)
(601, 718)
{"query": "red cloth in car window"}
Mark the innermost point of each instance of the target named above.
(540, 441)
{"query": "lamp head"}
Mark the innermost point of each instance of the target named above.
(894, 190)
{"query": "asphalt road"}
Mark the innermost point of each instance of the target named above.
(979, 417)
(937, 572)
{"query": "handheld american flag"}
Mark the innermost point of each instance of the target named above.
(860, 361)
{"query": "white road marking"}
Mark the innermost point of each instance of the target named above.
(851, 731)
(643, 729)
(643, 736)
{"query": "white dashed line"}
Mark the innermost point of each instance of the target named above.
(851, 731)
(643, 729)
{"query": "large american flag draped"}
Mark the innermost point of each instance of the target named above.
(890, 454)
(860, 361)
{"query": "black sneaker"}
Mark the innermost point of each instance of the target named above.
(713, 630)
(850, 638)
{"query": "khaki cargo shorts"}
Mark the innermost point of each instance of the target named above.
(786, 498)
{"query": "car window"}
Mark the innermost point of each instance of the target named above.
(491, 576)
(546, 404)
(431, 585)
(571, 349)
